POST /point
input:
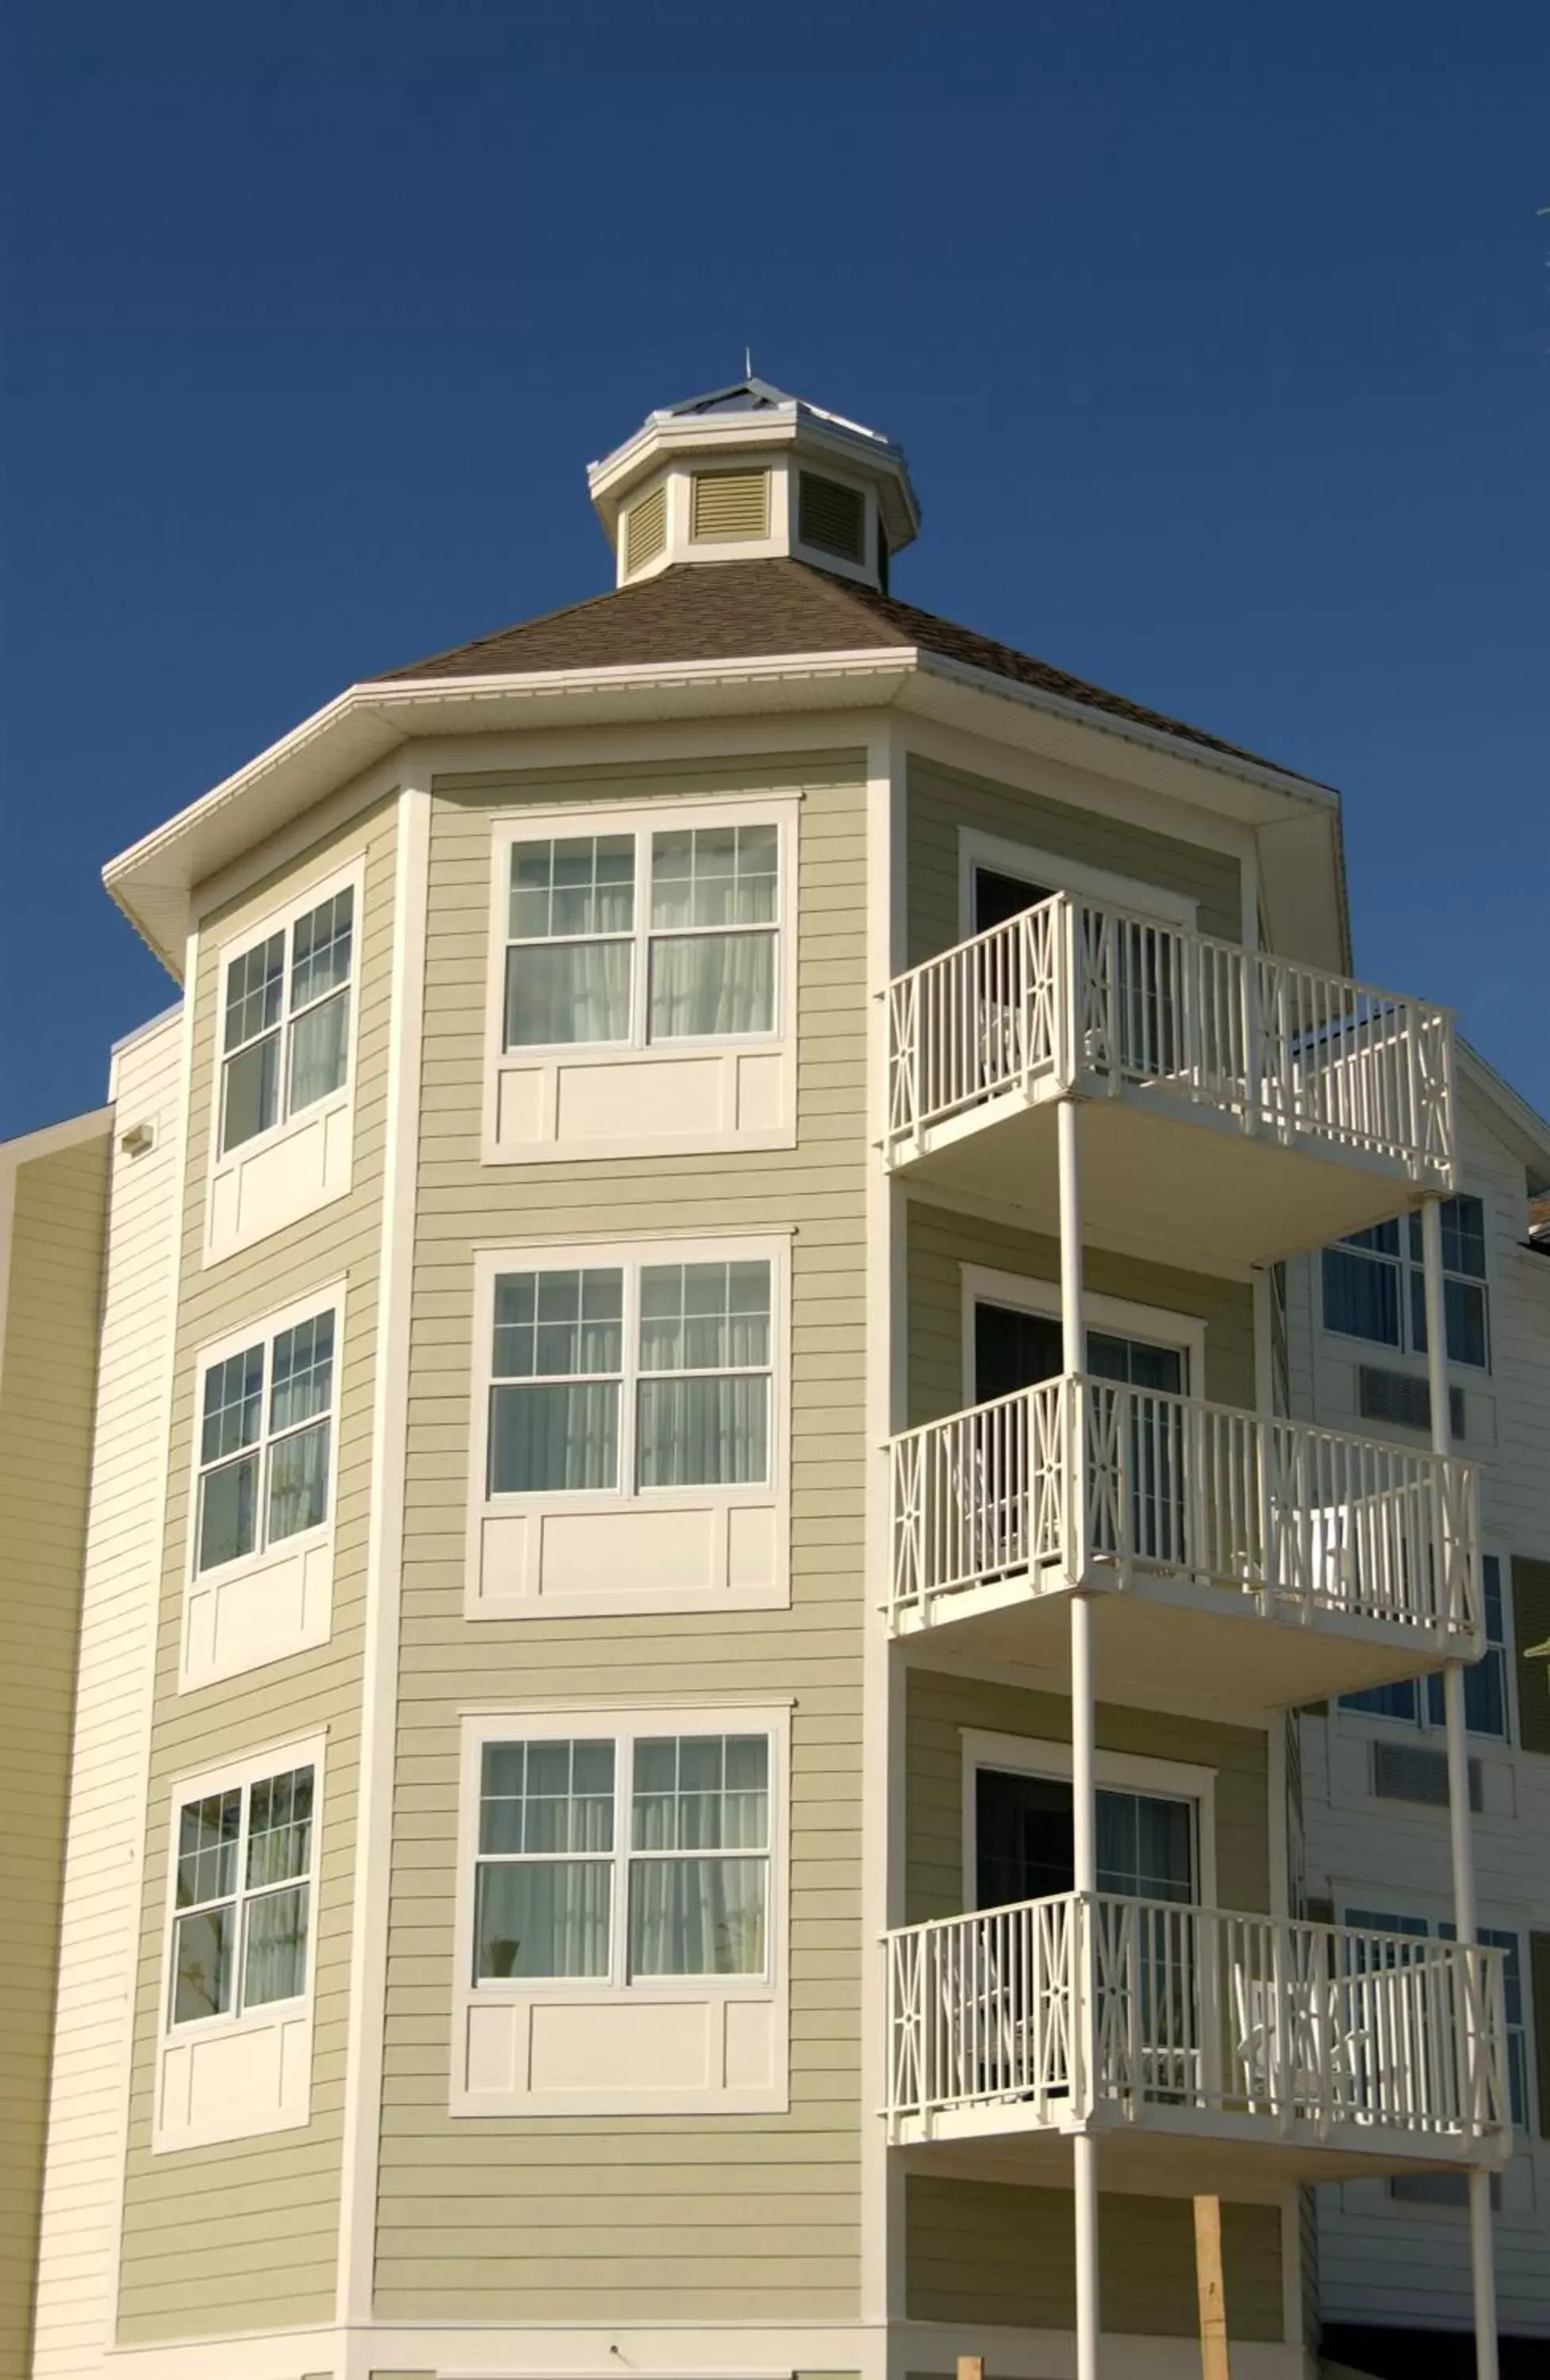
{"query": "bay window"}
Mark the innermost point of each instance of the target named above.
(285, 1020)
(265, 1439)
(1375, 1287)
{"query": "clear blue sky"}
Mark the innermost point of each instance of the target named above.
(1219, 337)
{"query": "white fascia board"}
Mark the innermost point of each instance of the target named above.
(1522, 1128)
(50, 1138)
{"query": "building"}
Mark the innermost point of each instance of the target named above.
(687, 1632)
(1393, 2254)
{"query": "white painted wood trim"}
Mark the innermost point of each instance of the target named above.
(1125, 1771)
(979, 849)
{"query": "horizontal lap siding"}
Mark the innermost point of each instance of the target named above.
(942, 1242)
(635, 2217)
(243, 2234)
(47, 1383)
(941, 801)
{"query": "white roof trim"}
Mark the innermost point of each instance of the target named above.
(1525, 1127)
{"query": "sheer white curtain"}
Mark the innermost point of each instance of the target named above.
(696, 1908)
(704, 1391)
(545, 1879)
(711, 985)
(567, 979)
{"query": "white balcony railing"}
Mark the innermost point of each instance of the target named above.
(1169, 1487)
(1045, 2011)
(1077, 996)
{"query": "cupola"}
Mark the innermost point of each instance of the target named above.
(746, 472)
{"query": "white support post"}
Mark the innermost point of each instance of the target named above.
(1083, 1784)
(1482, 2260)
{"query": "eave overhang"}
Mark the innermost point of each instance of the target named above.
(1295, 821)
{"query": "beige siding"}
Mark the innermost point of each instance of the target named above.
(99, 1919)
(686, 2218)
(942, 800)
(47, 1384)
(942, 1242)
(243, 2235)
(982, 2252)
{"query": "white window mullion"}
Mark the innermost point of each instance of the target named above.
(623, 1821)
(629, 1386)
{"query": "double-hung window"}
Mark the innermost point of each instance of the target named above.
(1419, 1701)
(242, 1897)
(644, 936)
(285, 1020)
(1374, 1286)
(626, 1378)
(265, 1424)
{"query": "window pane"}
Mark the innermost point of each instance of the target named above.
(1360, 1297)
(251, 1093)
(1385, 1702)
(302, 1379)
(701, 1793)
(1463, 1236)
(567, 992)
(698, 1916)
(1464, 1306)
(715, 876)
(704, 1432)
(543, 1917)
(254, 985)
(298, 1481)
(207, 1833)
(320, 949)
(202, 1964)
(320, 1052)
(274, 1964)
(547, 1797)
(1382, 1238)
(1486, 1696)
(553, 1437)
(228, 1509)
(233, 1405)
(711, 985)
(1490, 1595)
(704, 1316)
(556, 1325)
(280, 1828)
(579, 884)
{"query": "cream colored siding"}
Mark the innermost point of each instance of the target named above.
(942, 1241)
(99, 1917)
(243, 2235)
(941, 801)
(985, 2251)
(47, 1386)
(691, 2218)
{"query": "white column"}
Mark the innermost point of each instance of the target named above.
(1083, 1786)
(1482, 2260)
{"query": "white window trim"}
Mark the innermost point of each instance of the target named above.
(1404, 1357)
(239, 1774)
(977, 849)
(780, 809)
(1123, 1772)
(1156, 1326)
(328, 1298)
(1410, 1730)
(774, 1494)
(773, 1989)
(351, 878)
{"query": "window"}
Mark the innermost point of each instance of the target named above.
(265, 1441)
(1375, 1288)
(629, 1377)
(1421, 1701)
(1023, 1840)
(242, 1897)
(285, 1020)
(623, 1860)
(1492, 1938)
(643, 937)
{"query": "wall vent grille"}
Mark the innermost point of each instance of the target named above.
(645, 529)
(1413, 1772)
(831, 518)
(1399, 1397)
(730, 505)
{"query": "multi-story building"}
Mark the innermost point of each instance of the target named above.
(693, 1584)
(1394, 2271)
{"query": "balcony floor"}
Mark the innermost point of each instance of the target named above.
(1171, 1644)
(1157, 1169)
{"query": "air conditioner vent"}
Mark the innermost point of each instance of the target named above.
(1413, 1772)
(831, 518)
(645, 529)
(730, 505)
(1400, 1397)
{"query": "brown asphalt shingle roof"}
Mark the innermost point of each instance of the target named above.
(747, 611)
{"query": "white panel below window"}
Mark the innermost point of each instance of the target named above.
(611, 2054)
(280, 1177)
(228, 2085)
(258, 1611)
(643, 1101)
(612, 1558)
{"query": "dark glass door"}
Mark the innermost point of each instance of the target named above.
(997, 898)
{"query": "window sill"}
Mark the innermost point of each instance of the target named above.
(279, 1176)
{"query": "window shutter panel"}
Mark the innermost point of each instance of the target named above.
(645, 528)
(1539, 1993)
(731, 504)
(831, 517)
(1530, 1625)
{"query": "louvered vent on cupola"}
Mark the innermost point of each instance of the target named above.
(831, 518)
(645, 528)
(730, 505)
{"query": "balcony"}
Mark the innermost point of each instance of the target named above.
(1208, 2050)
(1242, 1107)
(1259, 1562)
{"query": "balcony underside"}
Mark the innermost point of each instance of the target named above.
(1167, 1642)
(1168, 2153)
(1155, 1168)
